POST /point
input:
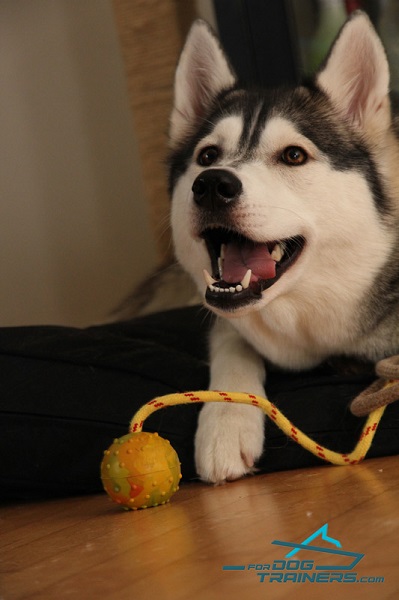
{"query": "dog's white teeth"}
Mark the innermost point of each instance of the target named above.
(277, 253)
(226, 290)
(210, 282)
(221, 259)
(208, 279)
(220, 266)
(246, 279)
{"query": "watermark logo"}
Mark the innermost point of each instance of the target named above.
(311, 562)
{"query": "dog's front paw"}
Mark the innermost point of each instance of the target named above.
(228, 442)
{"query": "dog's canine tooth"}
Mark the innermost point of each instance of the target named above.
(208, 279)
(222, 251)
(277, 253)
(246, 279)
(220, 266)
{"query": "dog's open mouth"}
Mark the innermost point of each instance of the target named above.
(242, 268)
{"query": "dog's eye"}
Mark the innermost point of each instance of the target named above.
(294, 156)
(207, 156)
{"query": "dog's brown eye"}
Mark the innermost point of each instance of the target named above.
(207, 156)
(294, 156)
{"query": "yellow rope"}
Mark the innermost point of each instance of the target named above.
(357, 455)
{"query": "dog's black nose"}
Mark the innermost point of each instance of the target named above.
(216, 188)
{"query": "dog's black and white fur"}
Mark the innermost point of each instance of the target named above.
(285, 214)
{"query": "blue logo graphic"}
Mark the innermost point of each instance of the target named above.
(300, 569)
(306, 546)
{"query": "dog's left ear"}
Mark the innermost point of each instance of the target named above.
(356, 75)
(202, 72)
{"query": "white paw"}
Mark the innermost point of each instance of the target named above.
(228, 442)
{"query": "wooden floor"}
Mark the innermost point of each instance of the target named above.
(89, 548)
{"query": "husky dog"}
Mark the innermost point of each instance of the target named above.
(285, 213)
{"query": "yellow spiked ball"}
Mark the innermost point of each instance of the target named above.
(140, 470)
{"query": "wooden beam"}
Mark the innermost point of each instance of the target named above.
(151, 33)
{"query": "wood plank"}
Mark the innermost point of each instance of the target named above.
(89, 548)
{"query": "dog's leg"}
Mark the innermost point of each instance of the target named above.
(229, 437)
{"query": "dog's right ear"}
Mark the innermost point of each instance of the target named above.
(202, 72)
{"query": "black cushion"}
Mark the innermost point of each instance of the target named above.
(65, 393)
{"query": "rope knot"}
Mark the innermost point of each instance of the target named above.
(381, 392)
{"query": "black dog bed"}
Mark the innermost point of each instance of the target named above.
(65, 393)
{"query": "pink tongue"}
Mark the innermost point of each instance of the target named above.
(239, 258)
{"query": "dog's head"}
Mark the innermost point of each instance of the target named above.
(274, 190)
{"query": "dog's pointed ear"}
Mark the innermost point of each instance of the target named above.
(356, 75)
(202, 72)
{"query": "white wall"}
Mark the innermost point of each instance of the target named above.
(74, 233)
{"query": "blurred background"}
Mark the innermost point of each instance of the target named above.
(85, 95)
